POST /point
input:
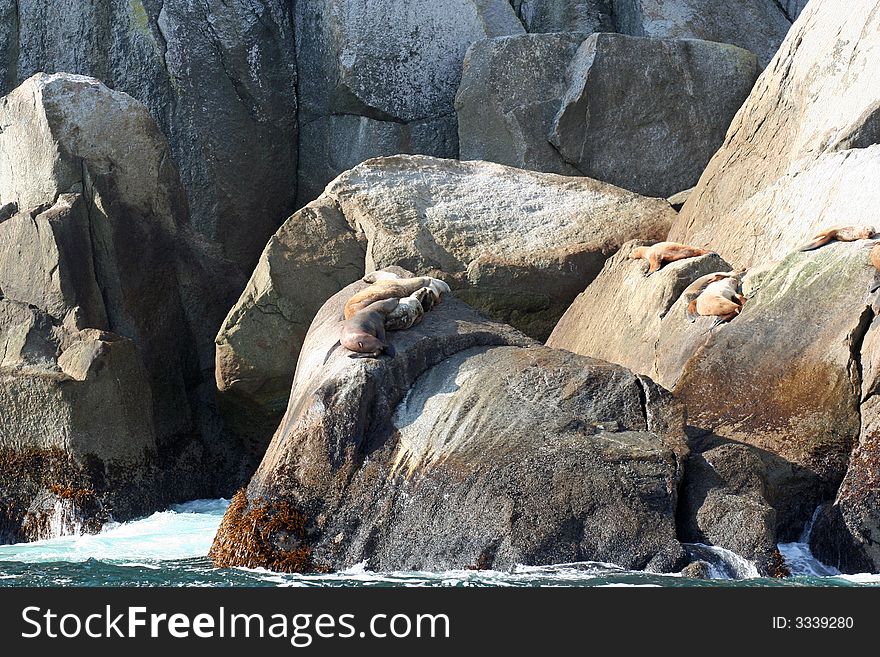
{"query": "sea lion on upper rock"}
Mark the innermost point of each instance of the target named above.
(839, 233)
(662, 252)
(387, 288)
(364, 332)
(875, 260)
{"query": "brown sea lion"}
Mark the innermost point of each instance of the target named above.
(409, 310)
(875, 260)
(364, 332)
(839, 233)
(387, 288)
(692, 291)
(720, 299)
(662, 252)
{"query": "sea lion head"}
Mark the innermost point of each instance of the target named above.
(369, 346)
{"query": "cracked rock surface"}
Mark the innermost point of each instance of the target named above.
(473, 446)
(379, 78)
(107, 362)
(219, 78)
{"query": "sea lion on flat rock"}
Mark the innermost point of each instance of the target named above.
(364, 332)
(387, 288)
(662, 252)
(839, 233)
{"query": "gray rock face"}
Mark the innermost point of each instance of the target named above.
(798, 156)
(110, 349)
(756, 25)
(391, 61)
(647, 114)
(797, 412)
(846, 533)
(516, 244)
(219, 78)
(511, 89)
(473, 446)
(584, 16)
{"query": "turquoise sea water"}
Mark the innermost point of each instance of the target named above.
(169, 548)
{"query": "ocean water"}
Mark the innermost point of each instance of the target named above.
(169, 548)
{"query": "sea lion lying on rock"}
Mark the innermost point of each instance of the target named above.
(364, 332)
(695, 289)
(839, 233)
(411, 309)
(662, 252)
(721, 299)
(397, 288)
(875, 260)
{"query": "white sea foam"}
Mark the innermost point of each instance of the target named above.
(184, 531)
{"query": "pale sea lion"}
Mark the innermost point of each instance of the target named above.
(692, 291)
(364, 332)
(409, 310)
(720, 299)
(662, 252)
(839, 233)
(387, 288)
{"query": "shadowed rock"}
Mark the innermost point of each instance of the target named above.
(647, 114)
(756, 25)
(219, 78)
(379, 78)
(473, 446)
(511, 89)
(102, 254)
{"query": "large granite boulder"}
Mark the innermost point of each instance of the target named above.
(647, 114)
(846, 533)
(379, 78)
(756, 25)
(472, 447)
(511, 88)
(516, 244)
(797, 156)
(774, 379)
(585, 16)
(77, 442)
(218, 77)
(97, 245)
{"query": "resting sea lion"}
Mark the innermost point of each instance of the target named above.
(409, 310)
(839, 233)
(692, 291)
(387, 288)
(875, 260)
(364, 332)
(721, 299)
(662, 252)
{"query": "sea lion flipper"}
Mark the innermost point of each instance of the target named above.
(332, 349)
(821, 240)
(874, 287)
